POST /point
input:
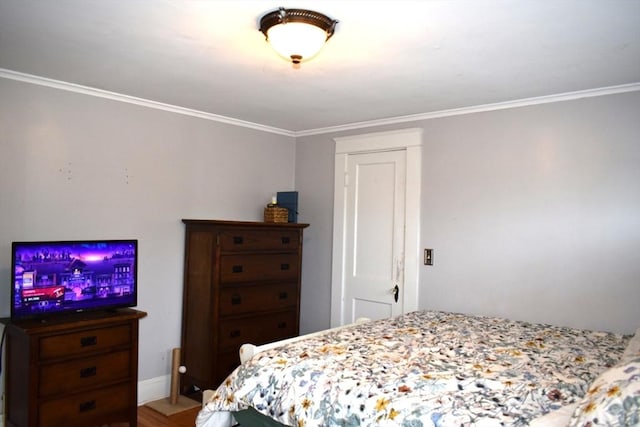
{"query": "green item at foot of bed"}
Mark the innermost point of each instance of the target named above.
(252, 418)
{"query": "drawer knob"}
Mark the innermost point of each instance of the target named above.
(88, 341)
(238, 240)
(88, 372)
(286, 240)
(236, 269)
(283, 295)
(284, 266)
(236, 300)
(234, 334)
(89, 405)
(282, 325)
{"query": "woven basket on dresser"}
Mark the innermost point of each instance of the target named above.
(276, 214)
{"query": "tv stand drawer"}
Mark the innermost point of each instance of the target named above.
(78, 374)
(84, 342)
(81, 408)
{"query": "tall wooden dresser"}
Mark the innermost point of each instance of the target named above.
(241, 284)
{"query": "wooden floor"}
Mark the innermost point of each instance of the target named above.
(147, 417)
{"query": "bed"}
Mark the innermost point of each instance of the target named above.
(431, 368)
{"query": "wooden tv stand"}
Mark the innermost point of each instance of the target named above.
(73, 371)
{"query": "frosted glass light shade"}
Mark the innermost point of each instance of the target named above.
(297, 34)
(296, 40)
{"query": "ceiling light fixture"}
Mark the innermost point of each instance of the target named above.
(297, 34)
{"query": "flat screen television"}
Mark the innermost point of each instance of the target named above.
(58, 277)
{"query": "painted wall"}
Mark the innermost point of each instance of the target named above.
(79, 167)
(533, 213)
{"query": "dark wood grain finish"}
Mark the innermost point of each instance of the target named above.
(260, 327)
(84, 342)
(73, 371)
(71, 375)
(241, 284)
(266, 240)
(252, 267)
(256, 296)
(88, 408)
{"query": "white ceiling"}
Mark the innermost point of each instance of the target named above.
(387, 59)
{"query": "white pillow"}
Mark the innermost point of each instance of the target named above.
(633, 347)
(613, 399)
(559, 417)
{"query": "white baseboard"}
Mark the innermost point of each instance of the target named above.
(153, 389)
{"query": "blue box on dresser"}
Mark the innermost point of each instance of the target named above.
(289, 200)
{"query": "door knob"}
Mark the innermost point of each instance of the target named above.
(396, 291)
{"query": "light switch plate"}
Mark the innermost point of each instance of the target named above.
(428, 257)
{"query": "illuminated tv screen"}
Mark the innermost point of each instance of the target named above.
(51, 278)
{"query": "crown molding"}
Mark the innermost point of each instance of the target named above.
(568, 96)
(86, 90)
(72, 87)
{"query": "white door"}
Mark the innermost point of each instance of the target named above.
(374, 235)
(376, 216)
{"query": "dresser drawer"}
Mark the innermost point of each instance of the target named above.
(251, 240)
(78, 343)
(245, 299)
(80, 409)
(245, 268)
(256, 330)
(82, 373)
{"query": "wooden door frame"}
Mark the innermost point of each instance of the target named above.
(409, 140)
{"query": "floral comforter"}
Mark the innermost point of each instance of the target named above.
(422, 369)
